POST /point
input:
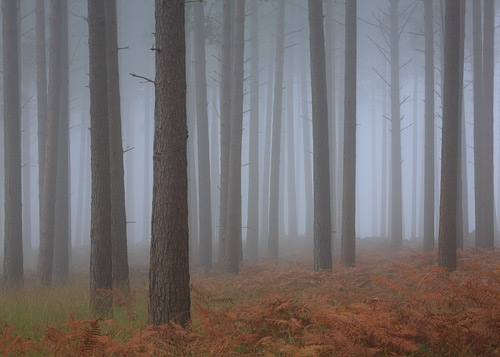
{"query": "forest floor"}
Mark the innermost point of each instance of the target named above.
(394, 303)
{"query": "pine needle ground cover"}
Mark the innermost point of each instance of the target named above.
(388, 305)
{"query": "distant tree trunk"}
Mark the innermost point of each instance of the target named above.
(322, 216)
(118, 211)
(169, 263)
(225, 122)
(272, 247)
(233, 246)
(46, 250)
(349, 194)
(205, 199)
(26, 121)
(429, 179)
(41, 93)
(306, 130)
(100, 236)
(13, 243)
(332, 126)
(252, 242)
(290, 140)
(461, 133)
(146, 218)
(267, 145)
(486, 221)
(374, 164)
(396, 190)
(281, 195)
(62, 230)
(215, 164)
(414, 203)
(383, 191)
(129, 172)
(447, 215)
(82, 168)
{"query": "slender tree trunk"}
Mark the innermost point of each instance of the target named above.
(81, 178)
(46, 251)
(225, 122)
(100, 236)
(396, 188)
(322, 216)
(169, 264)
(429, 179)
(460, 132)
(272, 247)
(146, 218)
(292, 189)
(374, 165)
(205, 199)
(26, 121)
(252, 242)
(349, 194)
(62, 231)
(414, 203)
(233, 247)
(449, 154)
(118, 211)
(306, 131)
(13, 243)
(215, 163)
(129, 173)
(383, 191)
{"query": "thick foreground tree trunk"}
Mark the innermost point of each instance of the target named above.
(169, 297)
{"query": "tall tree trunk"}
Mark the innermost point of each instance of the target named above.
(290, 140)
(396, 189)
(82, 167)
(460, 132)
(349, 194)
(41, 93)
(225, 122)
(429, 179)
(204, 199)
(414, 203)
(306, 131)
(129, 173)
(383, 191)
(374, 165)
(146, 217)
(267, 146)
(26, 121)
(169, 263)
(449, 153)
(100, 236)
(322, 216)
(215, 163)
(233, 247)
(46, 251)
(272, 247)
(118, 211)
(62, 230)
(252, 242)
(13, 243)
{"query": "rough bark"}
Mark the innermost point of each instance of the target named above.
(13, 243)
(225, 123)
(118, 211)
(321, 161)
(204, 195)
(428, 243)
(62, 229)
(348, 256)
(234, 244)
(274, 183)
(169, 297)
(449, 152)
(46, 250)
(100, 236)
(460, 133)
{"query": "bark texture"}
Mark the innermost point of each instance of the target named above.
(169, 297)
(321, 161)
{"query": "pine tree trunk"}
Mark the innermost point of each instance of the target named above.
(46, 251)
(290, 141)
(234, 243)
(26, 121)
(100, 236)
(460, 132)
(274, 183)
(348, 256)
(13, 243)
(449, 153)
(429, 179)
(383, 191)
(321, 161)
(205, 199)
(414, 203)
(146, 217)
(118, 211)
(169, 262)
(252, 242)
(62, 230)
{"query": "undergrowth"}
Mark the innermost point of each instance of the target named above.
(397, 305)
